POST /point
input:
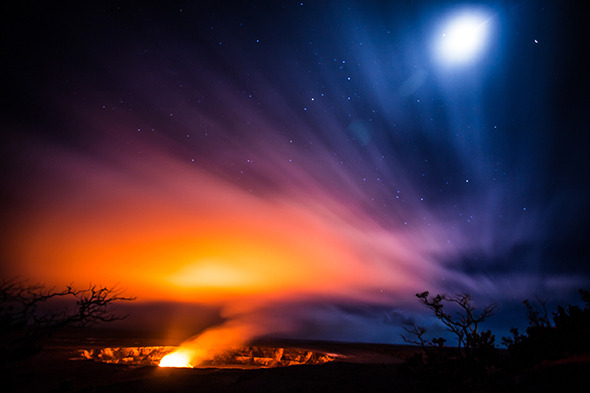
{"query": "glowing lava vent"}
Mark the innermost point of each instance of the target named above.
(178, 358)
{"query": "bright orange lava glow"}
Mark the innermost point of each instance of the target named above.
(196, 237)
(179, 358)
(165, 231)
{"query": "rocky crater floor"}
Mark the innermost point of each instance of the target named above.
(241, 357)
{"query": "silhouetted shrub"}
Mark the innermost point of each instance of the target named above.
(567, 335)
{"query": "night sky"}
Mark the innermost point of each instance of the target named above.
(304, 168)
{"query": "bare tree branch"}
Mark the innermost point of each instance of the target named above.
(30, 312)
(465, 322)
(417, 332)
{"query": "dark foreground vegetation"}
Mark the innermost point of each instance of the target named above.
(32, 313)
(553, 354)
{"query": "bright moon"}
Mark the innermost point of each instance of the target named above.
(462, 38)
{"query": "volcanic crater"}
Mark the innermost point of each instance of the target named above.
(244, 357)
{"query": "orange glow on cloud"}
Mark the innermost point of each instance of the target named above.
(169, 255)
(169, 232)
(184, 235)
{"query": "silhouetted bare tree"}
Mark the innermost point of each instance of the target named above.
(29, 313)
(470, 366)
(537, 313)
(416, 331)
(464, 323)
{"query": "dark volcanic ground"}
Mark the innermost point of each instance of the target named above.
(59, 368)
